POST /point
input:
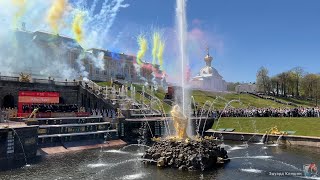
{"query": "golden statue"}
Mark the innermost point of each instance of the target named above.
(25, 78)
(119, 112)
(180, 122)
(34, 113)
(275, 131)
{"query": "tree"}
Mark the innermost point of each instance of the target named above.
(263, 80)
(310, 83)
(291, 82)
(232, 86)
(284, 82)
(275, 85)
(299, 73)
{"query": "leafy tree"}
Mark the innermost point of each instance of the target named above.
(263, 80)
(299, 73)
(310, 84)
(275, 85)
(231, 86)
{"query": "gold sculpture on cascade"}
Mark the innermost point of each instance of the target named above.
(25, 77)
(179, 122)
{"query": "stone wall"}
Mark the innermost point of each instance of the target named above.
(70, 93)
(11, 143)
(285, 139)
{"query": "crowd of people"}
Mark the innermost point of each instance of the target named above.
(260, 112)
(270, 112)
(28, 108)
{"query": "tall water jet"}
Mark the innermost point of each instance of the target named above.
(182, 97)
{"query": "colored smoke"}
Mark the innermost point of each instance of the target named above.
(87, 21)
(77, 27)
(160, 54)
(21, 8)
(156, 42)
(55, 14)
(143, 46)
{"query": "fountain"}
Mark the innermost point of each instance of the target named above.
(179, 121)
(184, 151)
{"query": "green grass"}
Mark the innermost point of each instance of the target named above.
(299, 102)
(246, 100)
(302, 126)
(104, 83)
(201, 97)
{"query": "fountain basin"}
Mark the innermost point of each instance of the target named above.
(17, 144)
(200, 154)
(130, 129)
(272, 139)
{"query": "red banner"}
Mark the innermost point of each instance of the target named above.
(36, 97)
(39, 94)
(38, 100)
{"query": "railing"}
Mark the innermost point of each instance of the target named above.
(66, 83)
(6, 114)
(55, 114)
(9, 78)
(42, 81)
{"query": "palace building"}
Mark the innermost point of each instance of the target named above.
(50, 47)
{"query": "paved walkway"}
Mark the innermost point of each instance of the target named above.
(12, 124)
(61, 149)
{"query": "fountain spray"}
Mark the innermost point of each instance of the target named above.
(183, 98)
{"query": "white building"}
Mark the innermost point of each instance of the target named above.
(246, 87)
(209, 78)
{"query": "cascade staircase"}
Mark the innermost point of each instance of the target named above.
(120, 99)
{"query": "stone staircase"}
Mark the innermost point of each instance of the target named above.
(119, 99)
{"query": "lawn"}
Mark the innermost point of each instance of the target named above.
(300, 102)
(246, 100)
(104, 83)
(219, 99)
(302, 126)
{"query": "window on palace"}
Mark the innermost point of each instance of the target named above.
(97, 71)
(105, 72)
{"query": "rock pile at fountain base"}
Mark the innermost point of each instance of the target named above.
(186, 155)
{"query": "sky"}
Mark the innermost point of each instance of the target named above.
(242, 35)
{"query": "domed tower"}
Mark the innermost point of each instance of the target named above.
(207, 70)
(208, 59)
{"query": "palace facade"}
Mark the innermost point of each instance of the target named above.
(115, 65)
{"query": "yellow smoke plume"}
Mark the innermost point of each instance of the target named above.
(55, 14)
(156, 40)
(160, 54)
(21, 8)
(77, 27)
(143, 46)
